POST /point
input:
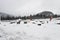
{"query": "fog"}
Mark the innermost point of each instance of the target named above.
(27, 7)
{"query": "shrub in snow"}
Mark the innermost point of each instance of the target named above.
(18, 22)
(25, 22)
(41, 21)
(58, 23)
(36, 21)
(12, 22)
(33, 22)
(39, 24)
(47, 21)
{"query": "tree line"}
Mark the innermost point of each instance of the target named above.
(37, 16)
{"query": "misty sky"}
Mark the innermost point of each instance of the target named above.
(27, 7)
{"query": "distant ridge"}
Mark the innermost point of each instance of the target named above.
(2, 14)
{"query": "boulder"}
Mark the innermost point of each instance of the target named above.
(39, 24)
(25, 22)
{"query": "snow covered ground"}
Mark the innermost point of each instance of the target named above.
(39, 29)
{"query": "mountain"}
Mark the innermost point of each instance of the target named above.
(4, 14)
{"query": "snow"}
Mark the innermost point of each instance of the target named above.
(31, 30)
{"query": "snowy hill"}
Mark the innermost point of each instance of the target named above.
(4, 14)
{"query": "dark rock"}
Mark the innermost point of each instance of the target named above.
(0, 36)
(18, 22)
(25, 22)
(47, 21)
(58, 23)
(33, 22)
(41, 21)
(36, 21)
(39, 24)
(58, 19)
(12, 22)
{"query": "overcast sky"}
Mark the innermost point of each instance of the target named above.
(27, 7)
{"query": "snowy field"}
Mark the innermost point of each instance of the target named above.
(39, 29)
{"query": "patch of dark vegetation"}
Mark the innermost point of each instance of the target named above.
(58, 23)
(57, 19)
(41, 21)
(18, 22)
(25, 22)
(0, 36)
(33, 22)
(12, 22)
(47, 21)
(36, 21)
(39, 24)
